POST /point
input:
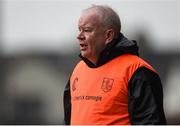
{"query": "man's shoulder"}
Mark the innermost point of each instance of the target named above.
(79, 64)
(133, 61)
(129, 59)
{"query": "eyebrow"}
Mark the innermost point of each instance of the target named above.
(88, 27)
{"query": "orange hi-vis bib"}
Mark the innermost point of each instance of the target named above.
(100, 95)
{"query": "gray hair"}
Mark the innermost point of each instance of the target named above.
(108, 17)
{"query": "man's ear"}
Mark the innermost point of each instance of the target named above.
(109, 35)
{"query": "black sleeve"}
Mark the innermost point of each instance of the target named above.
(145, 97)
(67, 104)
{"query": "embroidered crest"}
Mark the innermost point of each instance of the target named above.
(74, 85)
(107, 84)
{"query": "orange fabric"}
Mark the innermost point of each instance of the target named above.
(100, 95)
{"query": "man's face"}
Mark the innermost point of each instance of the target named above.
(91, 35)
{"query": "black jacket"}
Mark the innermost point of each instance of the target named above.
(145, 93)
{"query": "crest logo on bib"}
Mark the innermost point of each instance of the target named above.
(107, 84)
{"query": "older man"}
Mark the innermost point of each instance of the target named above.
(111, 84)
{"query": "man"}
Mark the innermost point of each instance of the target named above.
(111, 84)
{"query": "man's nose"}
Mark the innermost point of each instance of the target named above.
(80, 36)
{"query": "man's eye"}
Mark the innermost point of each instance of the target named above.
(87, 30)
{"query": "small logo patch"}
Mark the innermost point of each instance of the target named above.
(107, 84)
(74, 85)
